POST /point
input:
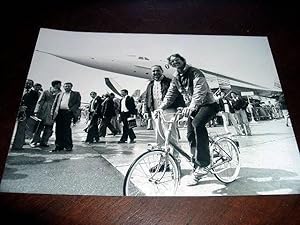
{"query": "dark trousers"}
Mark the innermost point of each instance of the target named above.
(126, 131)
(19, 138)
(197, 133)
(106, 122)
(47, 133)
(63, 130)
(93, 129)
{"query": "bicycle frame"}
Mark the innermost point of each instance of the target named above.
(173, 122)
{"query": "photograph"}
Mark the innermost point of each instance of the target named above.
(146, 114)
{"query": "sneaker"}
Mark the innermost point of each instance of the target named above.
(196, 176)
(201, 171)
(161, 169)
(33, 145)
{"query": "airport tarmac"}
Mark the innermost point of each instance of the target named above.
(270, 165)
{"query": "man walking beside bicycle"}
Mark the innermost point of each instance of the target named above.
(200, 108)
(155, 93)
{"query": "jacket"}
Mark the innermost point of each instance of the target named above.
(165, 84)
(74, 104)
(44, 106)
(193, 87)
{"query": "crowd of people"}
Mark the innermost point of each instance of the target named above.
(62, 108)
(188, 89)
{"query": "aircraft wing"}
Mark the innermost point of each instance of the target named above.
(141, 67)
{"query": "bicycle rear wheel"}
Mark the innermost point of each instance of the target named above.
(141, 180)
(226, 160)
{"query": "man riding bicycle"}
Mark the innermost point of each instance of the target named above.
(200, 108)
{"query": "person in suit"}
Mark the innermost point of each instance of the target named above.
(28, 102)
(65, 107)
(240, 105)
(227, 113)
(115, 119)
(94, 115)
(108, 112)
(43, 112)
(128, 109)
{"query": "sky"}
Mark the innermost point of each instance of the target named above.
(247, 58)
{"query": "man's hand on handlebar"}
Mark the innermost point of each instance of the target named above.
(187, 111)
(155, 112)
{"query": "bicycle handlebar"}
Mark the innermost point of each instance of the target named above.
(177, 115)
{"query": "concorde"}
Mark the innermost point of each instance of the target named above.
(140, 66)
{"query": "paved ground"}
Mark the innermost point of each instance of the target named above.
(270, 164)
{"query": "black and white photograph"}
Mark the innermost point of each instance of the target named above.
(114, 114)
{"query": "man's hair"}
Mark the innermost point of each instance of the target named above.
(125, 90)
(176, 55)
(55, 82)
(158, 67)
(112, 95)
(93, 92)
(233, 92)
(30, 81)
(37, 84)
(69, 83)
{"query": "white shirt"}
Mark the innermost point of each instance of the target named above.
(64, 104)
(92, 105)
(157, 95)
(123, 104)
(226, 106)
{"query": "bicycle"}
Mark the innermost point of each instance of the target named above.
(164, 180)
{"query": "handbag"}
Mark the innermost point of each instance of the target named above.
(131, 122)
(32, 125)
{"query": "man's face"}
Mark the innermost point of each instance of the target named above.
(28, 84)
(123, 93)
(37, 87)
(156, 72)
(176, 62)
(93, 95)
(57, 86)
(67, 87)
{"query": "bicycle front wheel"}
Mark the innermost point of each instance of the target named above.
(226, 160)
(154, 173)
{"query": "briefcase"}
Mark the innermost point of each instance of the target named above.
(32, 124)
(131, 122)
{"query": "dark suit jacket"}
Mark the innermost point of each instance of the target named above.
(130, 105)
(30, 99)
(74, 103)
(108, 108)
(222, 108)
(97, 105)
(165, 83)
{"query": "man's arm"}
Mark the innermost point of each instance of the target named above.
(147, 97)
(200, 89)
(77, 103)
(54, 104)
(171, 95)
(40, 103)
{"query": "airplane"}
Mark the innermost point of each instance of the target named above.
(140, 66)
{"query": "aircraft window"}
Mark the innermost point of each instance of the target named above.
(141, 57)
(146, 58)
